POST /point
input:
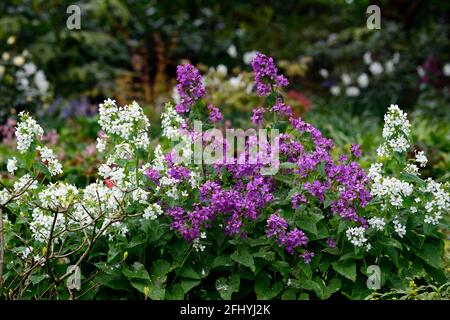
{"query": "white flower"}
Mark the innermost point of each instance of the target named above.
(376, 68)
(6, 56)
(222, 69)
(2, 70)
(356, 236)
(248, 56)
(346, 80)
(439, 203)
(377, 223)
(12, 165)
(140, 195)
(412, 169)
(236, 82)
(399, 228)
(367, 57)
(170, 123)
(420, 71)
(363, 80)
(18, 61)
(41, 82)
(152, 212)
(421, 159)
(395, 132)
(26, 132)
(197, 245)
(389, 66)
(335, 90)
(29, 68)
(11, 40)
(50, 160)
(232, 52)
(323, 73)
(58, 196)
(446, 69)
(396, 58)
(352, 91)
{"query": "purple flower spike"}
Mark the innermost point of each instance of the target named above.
(266, 74)
(190, 87)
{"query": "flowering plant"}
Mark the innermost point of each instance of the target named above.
(284, 218)
(21, 82)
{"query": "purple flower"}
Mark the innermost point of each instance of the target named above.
(281, 108)
(275, 225)
(153, 175)
(295, 238)
(356, 150)
(331, 243)
(296, 198)
(190, 87)
(266, 74)
(258, 116)
(214, 114)
(307, 256)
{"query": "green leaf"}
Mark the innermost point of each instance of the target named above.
(289, 294)
(263, 289)
(189, 272)
(226, 288)
(432, 253)
(160, 268)
(242, 256)
(188, 284)
(347, 268)
(222, 261)
(176, 293)
(137, 271)
(39, 166)
(390, 242)
(412, 178)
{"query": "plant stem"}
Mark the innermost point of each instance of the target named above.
(2, 245)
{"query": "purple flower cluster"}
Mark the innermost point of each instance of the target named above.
(281, 108)
(317, 189)
(356, 150)
(258, 116)
(276, 227)
(266, 74)
(190, 87)
(214, 114)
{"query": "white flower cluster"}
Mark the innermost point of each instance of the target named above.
(438, 204)
(152, 212)
(50, 160)
(4, 196)
(41, 225)
(377, 223)
(12, 165)
(399, 228)
(23, 181)
(389, 189)
(196, 243)
(395, 132)
(171, 122)
(356, 236)
(58, 196)
(27, 131)
(128, 122)
(421, 159)
(362, 80)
